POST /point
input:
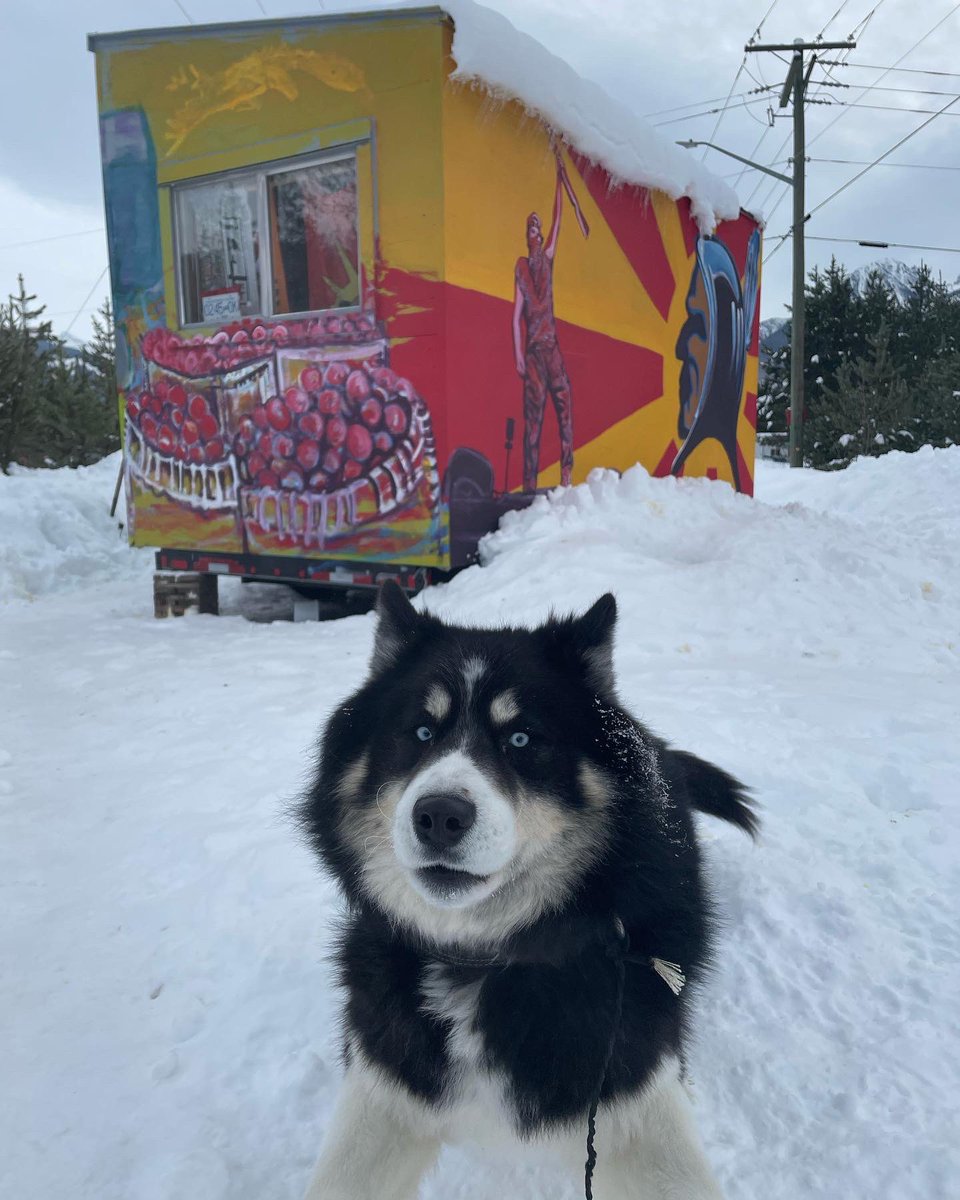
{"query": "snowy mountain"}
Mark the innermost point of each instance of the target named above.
(164, 934)
(900, 277)
(774, 335)
(72, 346)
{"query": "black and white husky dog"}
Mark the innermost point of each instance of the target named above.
(525, 906)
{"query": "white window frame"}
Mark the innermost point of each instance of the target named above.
(261, 172)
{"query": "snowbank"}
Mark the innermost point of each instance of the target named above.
(56, 531)
(902, 491)
(491, 53)
(866, 552)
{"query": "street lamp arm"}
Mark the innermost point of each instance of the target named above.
(689, 144)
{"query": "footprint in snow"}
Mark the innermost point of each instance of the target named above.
(166, 1068)
(188, 1025)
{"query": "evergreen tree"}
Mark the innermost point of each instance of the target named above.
(25, 348)
(834, 336)
(867, 411)
(79, 424)
(938, 418)
(100, 354)
(925, 323)
(774, 398)
(102, 399)
(880, 374)
(55, 410)
(833, 332)
(878, 304)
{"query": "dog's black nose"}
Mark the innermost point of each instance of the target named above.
(442, 820)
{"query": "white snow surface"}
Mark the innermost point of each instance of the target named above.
(53, 531)
(493, 54)
(167, 1007)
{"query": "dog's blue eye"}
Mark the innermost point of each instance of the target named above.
(519, 739)
(424, 733)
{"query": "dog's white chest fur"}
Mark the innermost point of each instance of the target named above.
(383, 1139)
(476, 1108)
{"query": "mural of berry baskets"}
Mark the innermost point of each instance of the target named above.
(301, 429)
(180, 427)
(347, 443)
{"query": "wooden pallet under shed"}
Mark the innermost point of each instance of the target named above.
(173, 595)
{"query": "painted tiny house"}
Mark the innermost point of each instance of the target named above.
(363, 309)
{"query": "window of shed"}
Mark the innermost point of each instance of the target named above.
(313, 227)
(269, 242)
(218, 238)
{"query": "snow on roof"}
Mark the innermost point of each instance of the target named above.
(494, 54)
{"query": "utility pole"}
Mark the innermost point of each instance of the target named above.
(796, 84)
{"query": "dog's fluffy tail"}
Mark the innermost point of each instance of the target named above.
(710, 790)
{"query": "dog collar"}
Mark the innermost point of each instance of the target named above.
(617, 946)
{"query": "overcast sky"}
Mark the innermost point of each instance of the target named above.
(653, 55)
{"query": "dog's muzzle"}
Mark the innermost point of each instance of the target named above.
(454, 832)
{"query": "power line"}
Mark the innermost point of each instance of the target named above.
(863, 162)
(86, 301)
(753, 154)
(860, 174)
(56, 238)
(841, 61)
(664, 112)
(762, 86)
(861, 27)
(740, 70)
(832, 19)
(709, 112)
(877, 161)
(899, 91)
(844, 110)
(855, 162)
(184, 11)
(896, 108)
(929, 33)
(713, 135)
(763, 21)
(869, 243)
(887, 70)
(760, 182)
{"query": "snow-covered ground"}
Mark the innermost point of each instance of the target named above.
(167, 1014)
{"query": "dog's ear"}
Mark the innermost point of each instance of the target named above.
(592, 638)
(397, 624)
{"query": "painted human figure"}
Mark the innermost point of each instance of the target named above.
(537, 355)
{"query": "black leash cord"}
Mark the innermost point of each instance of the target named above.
(617, 952)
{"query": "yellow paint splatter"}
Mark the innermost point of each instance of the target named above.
(244, 83)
